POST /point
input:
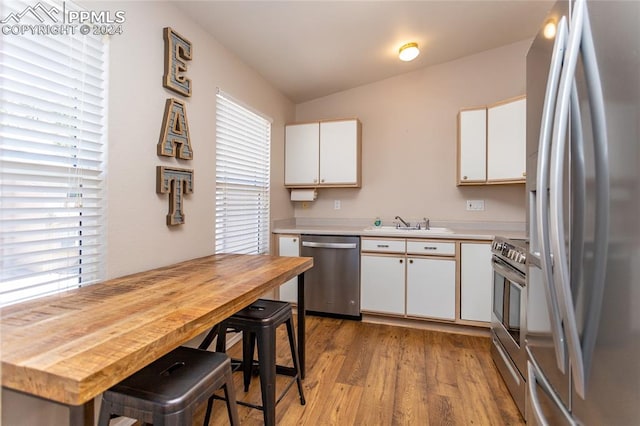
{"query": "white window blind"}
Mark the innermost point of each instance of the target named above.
(52, 160)
(243, 140)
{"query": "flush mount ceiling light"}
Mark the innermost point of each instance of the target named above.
(408, 52)
(549, 30)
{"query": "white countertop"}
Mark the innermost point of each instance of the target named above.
(461, 230)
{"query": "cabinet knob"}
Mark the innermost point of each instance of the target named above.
(410, 260)
(321, 180)
(524, 174)
(295, 241)
(464, 178)
(400, 260)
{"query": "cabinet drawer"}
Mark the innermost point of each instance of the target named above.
(385, 246)
(431, 248)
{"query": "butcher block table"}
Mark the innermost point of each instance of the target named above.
(70, 347)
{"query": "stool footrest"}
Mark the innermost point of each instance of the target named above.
(260, 407)
(236, 365)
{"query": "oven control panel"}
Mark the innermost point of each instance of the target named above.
(514, 250)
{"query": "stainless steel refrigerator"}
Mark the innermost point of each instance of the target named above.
(583, 214)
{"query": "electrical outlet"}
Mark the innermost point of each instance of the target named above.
(475, 205)
(337, 204)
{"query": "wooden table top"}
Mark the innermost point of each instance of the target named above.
(72, 346)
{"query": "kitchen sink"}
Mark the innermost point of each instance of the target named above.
(407, 231)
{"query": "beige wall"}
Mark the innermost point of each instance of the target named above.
(409, 140)
(139, 238)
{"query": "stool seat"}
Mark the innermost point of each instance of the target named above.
(262, 313)
(167, 391)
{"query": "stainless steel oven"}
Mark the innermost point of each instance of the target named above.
(509, 314)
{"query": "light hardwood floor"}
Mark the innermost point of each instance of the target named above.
(371, 374)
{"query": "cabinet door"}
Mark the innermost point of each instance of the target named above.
(476, 278)
(431, 288)
(340, 152)
(289, 246)
(382, 284)
(472, 146)
(302, 154)
(506, 141)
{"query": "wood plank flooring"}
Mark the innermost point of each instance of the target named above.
(372, 374)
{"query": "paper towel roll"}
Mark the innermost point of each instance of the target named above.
(303, 194)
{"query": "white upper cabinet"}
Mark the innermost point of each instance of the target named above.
(302, 154)
(472, 146)
(506, 141)
(325, 153)
(339, 152)
(492, 143)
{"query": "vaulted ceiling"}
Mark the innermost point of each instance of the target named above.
(310, 49)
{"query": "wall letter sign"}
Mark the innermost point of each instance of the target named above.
(175, 131)
(177, 50)
(175, 182)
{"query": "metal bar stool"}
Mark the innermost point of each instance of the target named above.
(258, 322)
(167, 391)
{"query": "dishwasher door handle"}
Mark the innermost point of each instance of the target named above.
(329, 245)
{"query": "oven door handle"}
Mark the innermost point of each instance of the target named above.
(508, 273)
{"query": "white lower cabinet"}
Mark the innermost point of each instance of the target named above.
(420, 278)
(431, 288)
(289, 246)
(405, 282)
(382, 284)
(476, 280)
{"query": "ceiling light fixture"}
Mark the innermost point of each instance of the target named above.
(408, 52)
(549, 30)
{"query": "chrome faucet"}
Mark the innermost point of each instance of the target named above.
(427, 226)
(403, 222)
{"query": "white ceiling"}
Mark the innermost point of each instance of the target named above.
(309, 49)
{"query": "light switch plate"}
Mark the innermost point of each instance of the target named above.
(475, 205)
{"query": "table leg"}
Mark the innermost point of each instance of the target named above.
(82, 415)
(301, 325)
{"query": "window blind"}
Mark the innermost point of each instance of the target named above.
(52, 160)
(243, 140)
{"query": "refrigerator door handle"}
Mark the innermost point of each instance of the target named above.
(536, 379)
(601, 236)
(533, 396)
(581, 40)
(542, 207)
(561, 119)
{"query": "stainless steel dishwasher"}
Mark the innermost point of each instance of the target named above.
(332, 286)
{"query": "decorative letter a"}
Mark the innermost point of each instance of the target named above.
(175, 131)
